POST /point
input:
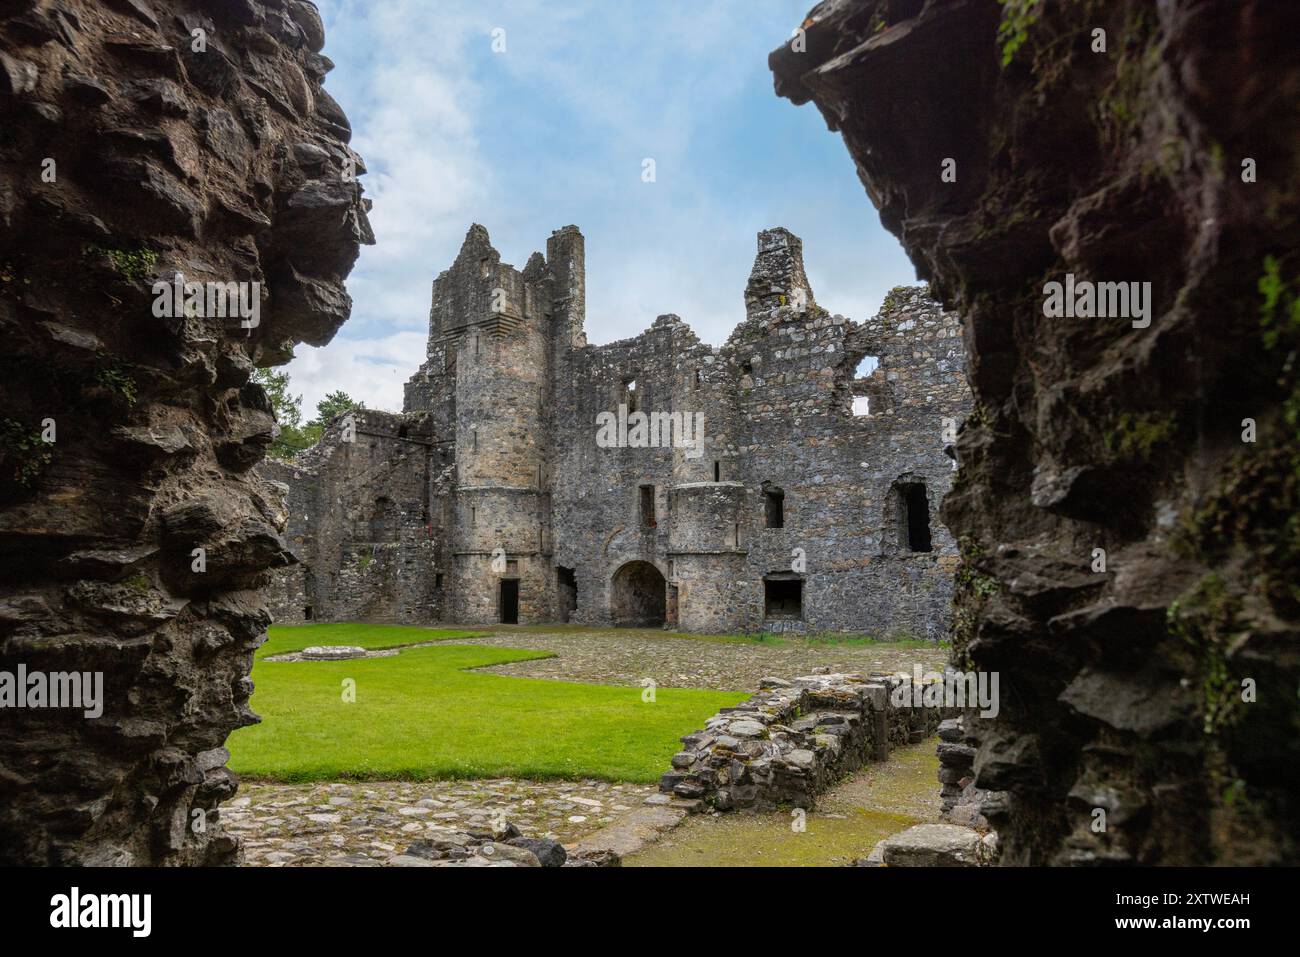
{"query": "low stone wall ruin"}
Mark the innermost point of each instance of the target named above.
(793, 740)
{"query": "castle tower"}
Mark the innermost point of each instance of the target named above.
(493, 330)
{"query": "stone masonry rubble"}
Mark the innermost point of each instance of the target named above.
(794, 739)
(493, 498)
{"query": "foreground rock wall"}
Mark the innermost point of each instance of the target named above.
(137, 140)
(1154, 680)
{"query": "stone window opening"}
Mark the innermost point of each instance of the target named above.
(437, 581)
(914, 517)
(774, 506)
(307, 613)
(735, 536)
(717, 471)
(473, 437)
(476, 345)
(473, 515)
(630, 396)
(783, 597)
(746, 368)
(484, 268)
(866, 369)
(648, 506)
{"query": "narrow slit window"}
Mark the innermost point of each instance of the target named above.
(648, 506)
(774, 507)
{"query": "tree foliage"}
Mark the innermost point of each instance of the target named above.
(294, 435)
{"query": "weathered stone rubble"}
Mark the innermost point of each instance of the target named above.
(129, 151)
(490, 495)
(934, 845)
(792, 740)
(1169, 158)
(963, 801)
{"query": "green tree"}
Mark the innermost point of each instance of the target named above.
(288, 414)
(294, 435)
(333, 405)
(327, 409)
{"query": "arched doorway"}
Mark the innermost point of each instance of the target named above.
(637, 596)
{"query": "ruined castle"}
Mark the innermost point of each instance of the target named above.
(763, 485)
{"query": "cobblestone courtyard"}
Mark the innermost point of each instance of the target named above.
(626, 656)
(369, 823)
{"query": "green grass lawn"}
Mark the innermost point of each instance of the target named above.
(420, 715)
(282, 639)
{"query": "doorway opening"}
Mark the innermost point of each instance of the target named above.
(509, 601)
(638, 596)
(566, 586)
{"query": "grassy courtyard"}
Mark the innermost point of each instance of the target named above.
(422, 715)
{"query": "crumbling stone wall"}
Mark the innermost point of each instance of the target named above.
(365, 523)
(674, 534)
(1153, 680)
(129, 151)
(794, 739)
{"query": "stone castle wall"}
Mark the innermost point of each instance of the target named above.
(510, 397)
(368, 505)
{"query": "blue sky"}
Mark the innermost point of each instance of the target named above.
(553, 131)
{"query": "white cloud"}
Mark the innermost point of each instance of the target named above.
(372, 371)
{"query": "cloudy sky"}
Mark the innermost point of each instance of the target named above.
(553, 131)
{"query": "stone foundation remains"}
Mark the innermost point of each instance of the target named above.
(794, 739)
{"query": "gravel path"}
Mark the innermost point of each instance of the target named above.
(364, 824)
(626, 656)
